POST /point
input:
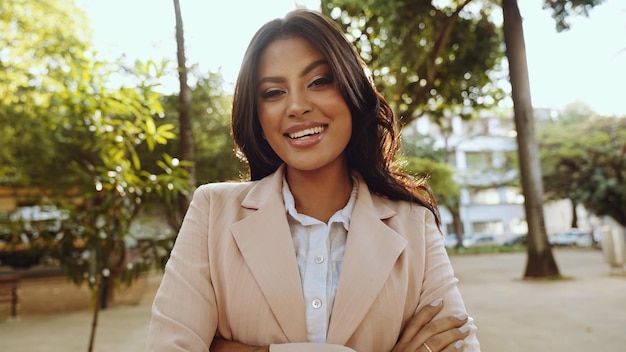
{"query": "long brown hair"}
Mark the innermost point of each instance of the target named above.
(375, 139)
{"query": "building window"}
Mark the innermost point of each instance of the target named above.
(486, 196)
(478, 161)
(499, 160)
(493, 196)
(488, 227)
(519, 226)
(513, 195)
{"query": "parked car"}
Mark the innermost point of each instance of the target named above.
(42, 217)
(480, 240)
(517, 240)
(26, 232)
(572, 237)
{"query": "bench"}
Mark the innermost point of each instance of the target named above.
(8, 291)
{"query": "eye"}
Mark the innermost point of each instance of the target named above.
(321, 82)
(271, 93)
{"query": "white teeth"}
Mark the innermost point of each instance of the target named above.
(308, 131)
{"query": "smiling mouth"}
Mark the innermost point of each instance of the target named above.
(305, 133)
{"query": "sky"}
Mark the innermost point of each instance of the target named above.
(585, 64)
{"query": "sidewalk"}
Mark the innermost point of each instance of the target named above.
(586, 313)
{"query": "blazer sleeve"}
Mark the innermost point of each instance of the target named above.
(184, 312)
(440, 282)
(309, 347)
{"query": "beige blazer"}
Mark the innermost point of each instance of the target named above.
(233, 273)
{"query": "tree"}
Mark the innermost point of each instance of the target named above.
(582, 161)
(215, 160)
(540, 261)
(440, 180)
(110, 181)
(186, 132)
(32, 76)
(560, 155)
(423, 159)
(425, 57)
(562, 9)
(94, 242)
(211, 106)
(87, 130)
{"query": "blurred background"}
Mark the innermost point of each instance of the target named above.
(112, 112)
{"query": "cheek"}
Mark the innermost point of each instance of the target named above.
(264, 120)
(344, 114)
(269, 115)
(270, 126)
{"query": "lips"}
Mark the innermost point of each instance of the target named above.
(305, 136)
(306, 132)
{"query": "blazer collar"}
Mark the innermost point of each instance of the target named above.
(372, 249)
(265, 241)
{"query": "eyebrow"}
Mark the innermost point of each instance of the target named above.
(304, 72)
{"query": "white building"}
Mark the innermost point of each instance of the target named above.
(483, 154)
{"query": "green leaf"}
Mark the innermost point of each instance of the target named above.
(150, 127)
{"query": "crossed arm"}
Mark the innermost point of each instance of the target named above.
(443, 334)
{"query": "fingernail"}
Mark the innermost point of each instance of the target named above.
(465, 328)
(436, 302)
(459, 344)
(461, 316)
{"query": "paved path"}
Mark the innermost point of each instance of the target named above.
(586, 313)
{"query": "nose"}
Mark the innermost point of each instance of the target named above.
(299, 105)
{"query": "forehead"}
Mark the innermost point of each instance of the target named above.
(287, 54)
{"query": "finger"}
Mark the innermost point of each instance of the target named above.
(444, 324)
(456, 346)
(426, 347)
(418, 321)
(450, 339)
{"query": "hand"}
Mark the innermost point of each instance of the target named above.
(422, 334)
(220, 345)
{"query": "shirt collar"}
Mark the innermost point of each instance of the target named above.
(342, 216)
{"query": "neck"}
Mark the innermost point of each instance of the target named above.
(320, 193)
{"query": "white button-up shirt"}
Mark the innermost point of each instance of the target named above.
(319, 251)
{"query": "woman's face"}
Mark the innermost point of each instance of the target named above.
(304, 117)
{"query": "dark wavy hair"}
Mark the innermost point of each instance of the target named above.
(375, 140)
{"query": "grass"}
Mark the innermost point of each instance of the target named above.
(487, 249)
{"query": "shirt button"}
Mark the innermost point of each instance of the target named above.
(319, 259)
(316, 303)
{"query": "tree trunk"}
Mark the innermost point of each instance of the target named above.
(540, 263)
(574, 223)
(458, 226)
(98, 297)
(105, 293)
(184, 116)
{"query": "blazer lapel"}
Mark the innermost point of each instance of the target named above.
(265, 242)
(372, 249)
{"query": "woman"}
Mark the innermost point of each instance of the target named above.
(328, 247)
